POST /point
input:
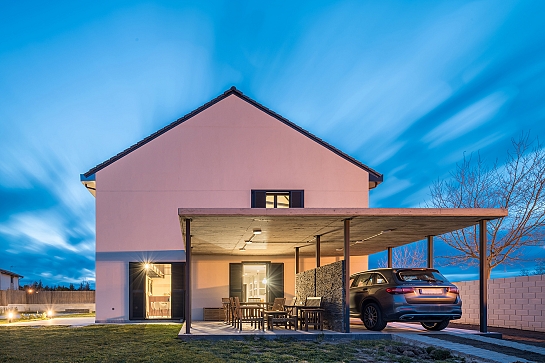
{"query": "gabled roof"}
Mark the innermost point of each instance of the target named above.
(6, 272)
(374, 176)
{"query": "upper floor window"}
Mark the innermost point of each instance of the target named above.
(277, 198)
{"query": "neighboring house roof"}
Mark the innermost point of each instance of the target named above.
(374, 176)
(6, 272)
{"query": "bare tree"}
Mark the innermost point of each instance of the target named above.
(517, 185)
(412, 255)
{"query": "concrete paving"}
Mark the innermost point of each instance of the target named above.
(206, 330)
(75, 322)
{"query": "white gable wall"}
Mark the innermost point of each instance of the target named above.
(212, 160)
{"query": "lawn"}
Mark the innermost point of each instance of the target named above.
(159, 343)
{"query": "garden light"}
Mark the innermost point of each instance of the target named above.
(49, 313)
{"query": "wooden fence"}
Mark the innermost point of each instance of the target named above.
(46, 297)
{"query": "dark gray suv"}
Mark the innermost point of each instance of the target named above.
(404, 294)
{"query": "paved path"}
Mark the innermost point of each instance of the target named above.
(487, 352)
(55, 321)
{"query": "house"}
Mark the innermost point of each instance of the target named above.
(234, 200)
(9, 280)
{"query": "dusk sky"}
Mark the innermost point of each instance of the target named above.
(406, 87)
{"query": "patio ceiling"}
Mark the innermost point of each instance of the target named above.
(217, 231)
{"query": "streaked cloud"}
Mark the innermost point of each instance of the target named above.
(405, 88)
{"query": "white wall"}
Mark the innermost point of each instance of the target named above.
(516, 302)
(212, 160)
(5, 282)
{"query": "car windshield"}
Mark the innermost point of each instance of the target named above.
(421, 275)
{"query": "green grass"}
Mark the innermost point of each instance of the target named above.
(159, 343)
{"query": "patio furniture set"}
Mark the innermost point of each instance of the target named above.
(257, 314)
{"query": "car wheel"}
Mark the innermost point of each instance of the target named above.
(436, 326)
(372, 317)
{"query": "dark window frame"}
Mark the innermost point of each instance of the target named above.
(259, 197)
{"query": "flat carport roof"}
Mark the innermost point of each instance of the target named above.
(223, 231)
(333, 232)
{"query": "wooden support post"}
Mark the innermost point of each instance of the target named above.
(347, 276)
(430, 251)
(389, 257)
(483, 278)
(318, 251)
(188, 276)
(297, 260)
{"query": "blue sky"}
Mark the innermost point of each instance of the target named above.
(405, 87)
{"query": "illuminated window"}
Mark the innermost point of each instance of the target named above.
(277, 198)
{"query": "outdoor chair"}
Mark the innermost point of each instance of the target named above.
(252, 314)
(232, 310)
(225, 302)
(278, 315)
(312, 314)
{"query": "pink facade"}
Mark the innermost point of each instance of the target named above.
(211, 160)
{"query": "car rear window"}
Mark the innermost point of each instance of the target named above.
(425, 275)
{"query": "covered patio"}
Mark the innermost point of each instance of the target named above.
(320, 232)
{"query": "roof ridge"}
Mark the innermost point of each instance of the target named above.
(373, 174)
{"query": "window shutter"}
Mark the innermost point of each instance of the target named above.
(137, 279)
(177, 295)
(275, 282)
(259, 198)
(235, 280)
(296, 199)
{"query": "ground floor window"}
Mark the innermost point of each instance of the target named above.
(156, 290)
(256, 281)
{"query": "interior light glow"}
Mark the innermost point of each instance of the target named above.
(257, 231)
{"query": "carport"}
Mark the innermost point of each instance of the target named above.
(319, 232)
